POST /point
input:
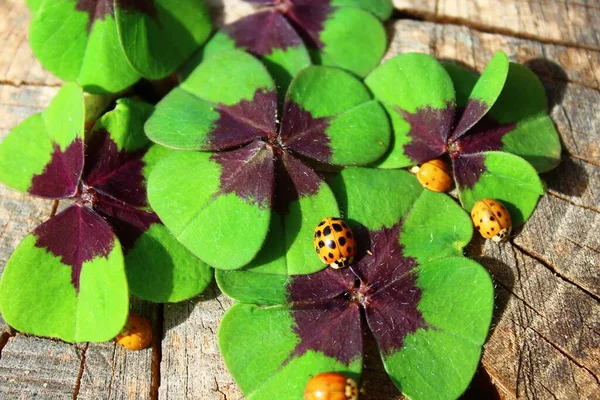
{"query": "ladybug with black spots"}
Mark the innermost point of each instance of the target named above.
(492, 220)
(335, 243)
(435, 175)
(331, 386)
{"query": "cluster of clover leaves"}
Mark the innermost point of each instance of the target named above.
(283, 118)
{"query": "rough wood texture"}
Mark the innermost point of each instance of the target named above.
(33, 367)
(546, 337)
(192, 367)
(567, 22)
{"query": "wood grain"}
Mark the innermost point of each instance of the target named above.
(549, 21)
(545, 340)
(39, 368)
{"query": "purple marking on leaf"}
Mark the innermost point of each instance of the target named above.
(467, 169)
(244, 122)
(429, 131)
(128, 223)
(471, 114)
(309, 16)
(332, 327)
(321, 286)
(263, 32)
(293, 180)
(248, 172)
(99, 9)
(304, 134)
(115, 173)
(485, 136)
(382, 283)
(76, 235)
(61, 175)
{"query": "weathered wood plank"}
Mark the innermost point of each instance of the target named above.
(549, 21)
(111, 372)
(566, 239)
(18, 65)
(192, 367)
(31, 367)
(546, 338)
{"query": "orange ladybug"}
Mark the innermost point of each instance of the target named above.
(331, 386)
(334, 242)
(137, 333)
(435, 175)
(492, 220)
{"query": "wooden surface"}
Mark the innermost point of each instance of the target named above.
(545, 341)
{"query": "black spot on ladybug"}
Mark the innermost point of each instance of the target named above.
(426, 183)
(331, 244)
(327, 231)
(499, 214)
(493, 229)
(480, 219)
(322, 223)
(349, 235)
(321, 244)
(492, 218)
(487, 233)
(337, 227)
(331, 255)
(342, 241)
(317, 249)
(349, 249)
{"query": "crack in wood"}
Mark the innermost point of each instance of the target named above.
(557, 273)
(485, 28)
(7, 82)
(557, 194)
(564, 353)
(157, 339)
(80, 373)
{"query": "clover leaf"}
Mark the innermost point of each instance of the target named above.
(221, 204)
(69, 277)
(342, 33)
(446, 111)
(107, 45)
(428, 307)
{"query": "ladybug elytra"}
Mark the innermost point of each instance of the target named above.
(331, 386)
(492, 220)
(435, 175)
(335, 243)
(137, 333)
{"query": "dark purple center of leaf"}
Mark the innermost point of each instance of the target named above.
(99, 9)
(293, 180)
(430, 138)
(61, 175)
(326, 305)
(245, 121)
(263, 32)
(429, 132)
(248, 172)
(467, 169)
(113, 172)
(308, 17)
(128, 223)
(76, 235)
(304, 134)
